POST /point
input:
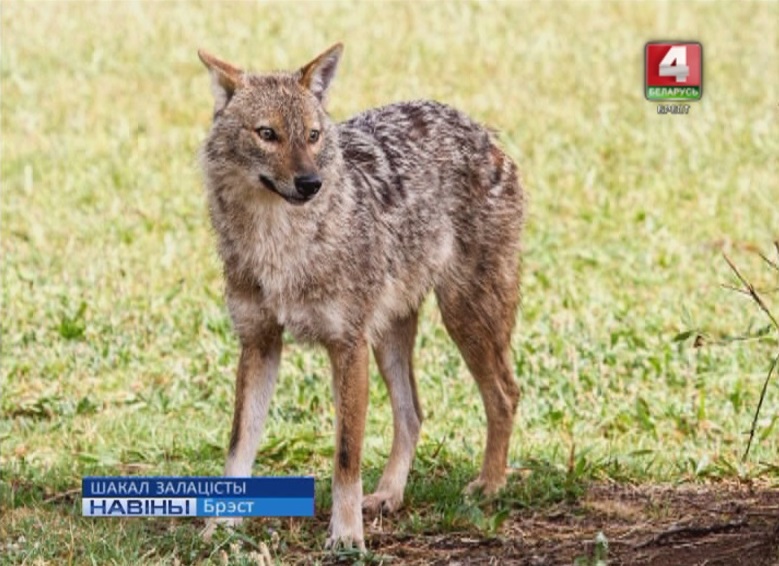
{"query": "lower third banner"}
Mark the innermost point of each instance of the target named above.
(186, 497)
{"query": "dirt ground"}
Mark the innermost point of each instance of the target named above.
(642, 525)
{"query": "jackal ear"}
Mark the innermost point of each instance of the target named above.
(225, 79)
(319, 73)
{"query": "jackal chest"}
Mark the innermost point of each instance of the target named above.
(318, 322)
(301, 293)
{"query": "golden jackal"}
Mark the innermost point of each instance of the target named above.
(336, 232)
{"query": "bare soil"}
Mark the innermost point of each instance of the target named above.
(643, 525)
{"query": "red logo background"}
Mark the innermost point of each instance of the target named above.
(655, 53)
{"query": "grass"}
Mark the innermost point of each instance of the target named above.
(117, 352)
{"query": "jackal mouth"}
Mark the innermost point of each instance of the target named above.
(271, 186)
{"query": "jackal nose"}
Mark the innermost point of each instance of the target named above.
(308, 185)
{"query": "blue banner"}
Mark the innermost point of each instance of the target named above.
(197, 487)
(264, 507)
(197, 507)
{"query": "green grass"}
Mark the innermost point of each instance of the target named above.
(117, 352)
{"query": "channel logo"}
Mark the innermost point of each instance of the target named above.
(673, 71)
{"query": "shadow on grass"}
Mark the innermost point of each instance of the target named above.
(435, 502)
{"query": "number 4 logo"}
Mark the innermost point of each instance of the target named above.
(674, 64)
(673, 70)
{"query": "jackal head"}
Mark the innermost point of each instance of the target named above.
(271, 130)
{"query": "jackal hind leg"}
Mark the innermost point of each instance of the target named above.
(394, 355)
(479, 314)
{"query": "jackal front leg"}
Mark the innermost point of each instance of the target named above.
(257, 371)
(394, 353)
(350, 389)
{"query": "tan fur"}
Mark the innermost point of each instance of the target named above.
(336, 233)
(394, 357)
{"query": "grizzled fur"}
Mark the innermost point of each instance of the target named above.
(414, 197)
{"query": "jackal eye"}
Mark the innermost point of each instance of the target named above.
(267, 134)
(313, 136)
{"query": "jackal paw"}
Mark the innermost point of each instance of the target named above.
(480, 486)
(345, 542)
(212, 524)
(383, 502)
(345, 535)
